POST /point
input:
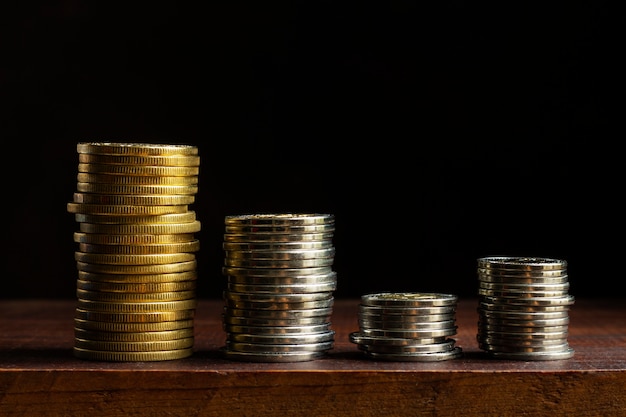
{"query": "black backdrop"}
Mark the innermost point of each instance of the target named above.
(435, 135)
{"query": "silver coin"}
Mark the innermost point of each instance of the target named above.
(365, 339)
(534, 356)
(278, 263)
(521, 329)
(393, 319)
(273, 357)
(416, 357)
(277, 330)
(411, 334)
(276, 273)
(545, 278)
(276, 246)
(511, 308)
(498, 321)
(422, 348)
(258, 305)
(278, 237)
(276, 297)
(279, 348)
(564, 300)
(279, 219)
(504, 273)
(507, 341)
(278, 314)
(389, 311)
(527, 336)
(511, 294)
(501, 286)
(273, 281)
(523, 315)
(524, 349)
(405, 326)
(266, 229)
(524, 263)
(255, 321)
(283, 255)
(283, 289)
(304, 338)
(408, 299)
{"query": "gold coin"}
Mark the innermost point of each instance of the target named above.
(108, 336)
(135, 148)
(132, 189)
(134, 210)
(140, 170)
(133, 199)
(137, 307)
(186, 217)
(193, 246)
(134, 287)
(151, 356)
(152, 160)
(134, 346)
(132, 239)
(117, 259)
(140, 229)
(137, 269)
(138, 278)
(136, 179)
(123, 297)
(134, 317)
(109, 326)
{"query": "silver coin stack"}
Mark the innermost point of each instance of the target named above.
(524, 308)
(280, 284)
(414, 327)
(136, 251)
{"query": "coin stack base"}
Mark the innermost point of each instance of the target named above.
(523, 308)
(415, 327)
(279, 294)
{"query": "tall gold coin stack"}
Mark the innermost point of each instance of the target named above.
(524, 308)
(136, 259)
(279, 295)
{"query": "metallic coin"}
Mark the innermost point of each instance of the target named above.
(520, 294)
(147, 249)
(507, 341)
(132, 317)
(117, 259)
(150, 336)
(279, 314)
(405, 311)
(154, 228)
(133, 200)
(523, 315)
(535, 287)
(408, 299)
(124, 297)
(283, 289)
(164, 278)
(258, 305)
(417, 356)
(303, 338)
(280, 219)
(282, 254)
(137, 179)
(186, 217)
(145, 356)
(522, 263)
(126, 210)
(273, 357)
(524, 349)
(113, 148)
(256, 321)
(490, 307)
(137, 307)
(526, 336)
(135, 189)
(395, 319)
(116, 326)
(139, 170)
(134, 239)
(150, 160)
(293, 273)
(499, 321)
(512, 329)
(411, 334)
(487, 274)
(137, 269)
(278, 263)
(279, 348)
(534, 356)
(366, 324)
(365, 339)
(132, 288)
(421, 348)
(110, 346)
(564, 300)
(277, 330)
(276, 246)
(277, 237)
(277, 297)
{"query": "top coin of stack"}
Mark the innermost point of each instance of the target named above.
(280, 286)
(523, 308)
(136, 251)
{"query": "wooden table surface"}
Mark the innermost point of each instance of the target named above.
(39, 376)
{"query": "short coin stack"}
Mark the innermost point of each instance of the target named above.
(523, 308)
(407, 327)
(279, 294)
(135, 259)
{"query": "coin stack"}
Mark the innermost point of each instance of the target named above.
(280, 284)
(136, 251)
(524, 308)
(407, 327)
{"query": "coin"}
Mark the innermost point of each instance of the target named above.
(280, 219)
(456, 352)
(138, 170)
(144, 356)
(135, 148)
(408, 299)
(273, 357)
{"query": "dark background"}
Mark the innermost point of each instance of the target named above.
(435, 134)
